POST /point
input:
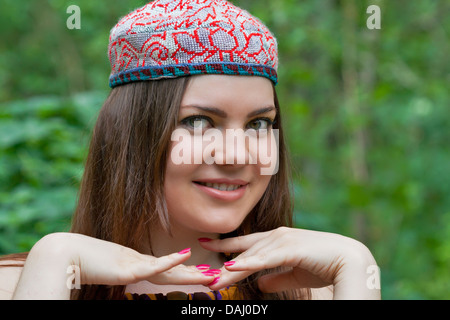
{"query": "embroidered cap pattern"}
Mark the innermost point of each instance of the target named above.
(174, 38)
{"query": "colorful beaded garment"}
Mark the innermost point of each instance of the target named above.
(229, 293)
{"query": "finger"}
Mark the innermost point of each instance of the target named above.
(227, 278)
(157, 265)
(169, 270)
(234, 244)
(261, 257)
(287, 280)
(183, 275)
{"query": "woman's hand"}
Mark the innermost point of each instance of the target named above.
(45, 274)
(103, 262)
(314, 259)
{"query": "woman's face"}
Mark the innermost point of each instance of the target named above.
(219, 151)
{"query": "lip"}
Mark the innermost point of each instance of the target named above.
(223, 195)
(223, 180)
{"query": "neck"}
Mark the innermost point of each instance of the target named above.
(162, 243)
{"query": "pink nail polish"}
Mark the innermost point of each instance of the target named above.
(214, 281)
(184, 251)
(215, 271)
(229, 263)
(203, 266)
(208, 273)
(204, 239)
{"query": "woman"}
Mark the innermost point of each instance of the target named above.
(151, 218)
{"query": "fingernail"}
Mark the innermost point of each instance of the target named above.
(214, 281)
(184, 251)
(215, 271)
(203, 266)
(229, 263)
(204, 239)
(208, 273)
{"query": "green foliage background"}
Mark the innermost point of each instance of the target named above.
(366, 111)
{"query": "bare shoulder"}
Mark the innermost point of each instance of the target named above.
(9, 277)
(325, 293)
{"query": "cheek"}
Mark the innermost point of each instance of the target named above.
(177, 181)
(182, 203)
(185, 148)
(268, 152)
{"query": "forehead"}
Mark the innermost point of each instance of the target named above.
(222, 91)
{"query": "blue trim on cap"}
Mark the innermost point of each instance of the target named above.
(180, 70)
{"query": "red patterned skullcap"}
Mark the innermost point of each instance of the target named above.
(173, 38)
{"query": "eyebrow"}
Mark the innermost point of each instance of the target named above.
(220, 113)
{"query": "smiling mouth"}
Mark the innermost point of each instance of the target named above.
(220, 186)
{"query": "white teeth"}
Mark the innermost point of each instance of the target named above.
(221, 186)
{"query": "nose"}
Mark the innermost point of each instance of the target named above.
(236, 148)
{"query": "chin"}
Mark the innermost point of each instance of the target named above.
(217, 224)
(219, 227)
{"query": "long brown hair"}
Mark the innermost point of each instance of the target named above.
(121, 194)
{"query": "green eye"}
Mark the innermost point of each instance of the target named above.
(196, 122)
(259, 124)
